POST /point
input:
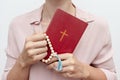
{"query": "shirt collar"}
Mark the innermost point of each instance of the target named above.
(82, 15)
(35, 17)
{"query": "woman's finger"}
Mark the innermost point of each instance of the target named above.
(38, 44)
(63, 57)
(39, 57)
(68, 75)
(67, 65)
(54, 59)
(68, 62)
(36, 37)
(69, 69)
(37, 51)
(52, 65)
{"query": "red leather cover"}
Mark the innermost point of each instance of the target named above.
(65, 32)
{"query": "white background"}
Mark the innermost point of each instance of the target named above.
(108, 9)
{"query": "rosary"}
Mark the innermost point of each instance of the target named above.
(53, 54)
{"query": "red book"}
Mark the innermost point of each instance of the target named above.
(65, 32)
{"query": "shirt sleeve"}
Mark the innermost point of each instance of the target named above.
(11, 51)
(104, 59)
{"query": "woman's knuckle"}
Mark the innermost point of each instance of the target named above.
(26, 46)
(55, 64)
(44, 54)
(34, 58)
(29, 52)
(29, 45)
(46, 48)
(71, 55)
(72, 62)
(71, 68)
(27, 39)
(44, 42)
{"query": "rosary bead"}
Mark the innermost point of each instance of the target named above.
(51, 48)
(47, 37)
(43, 60)
(52, 51)
(49, 42)
(46, 61)
(50, 57)
(50, 45)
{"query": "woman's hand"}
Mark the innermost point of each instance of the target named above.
(72, 68)
(35, 49)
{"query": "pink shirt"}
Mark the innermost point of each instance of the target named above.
(94, 47)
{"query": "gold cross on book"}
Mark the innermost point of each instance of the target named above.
(63, 35)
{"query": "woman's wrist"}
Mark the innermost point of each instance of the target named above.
(19, 71)
(22, 63)
(92, 73)
(86, 72)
